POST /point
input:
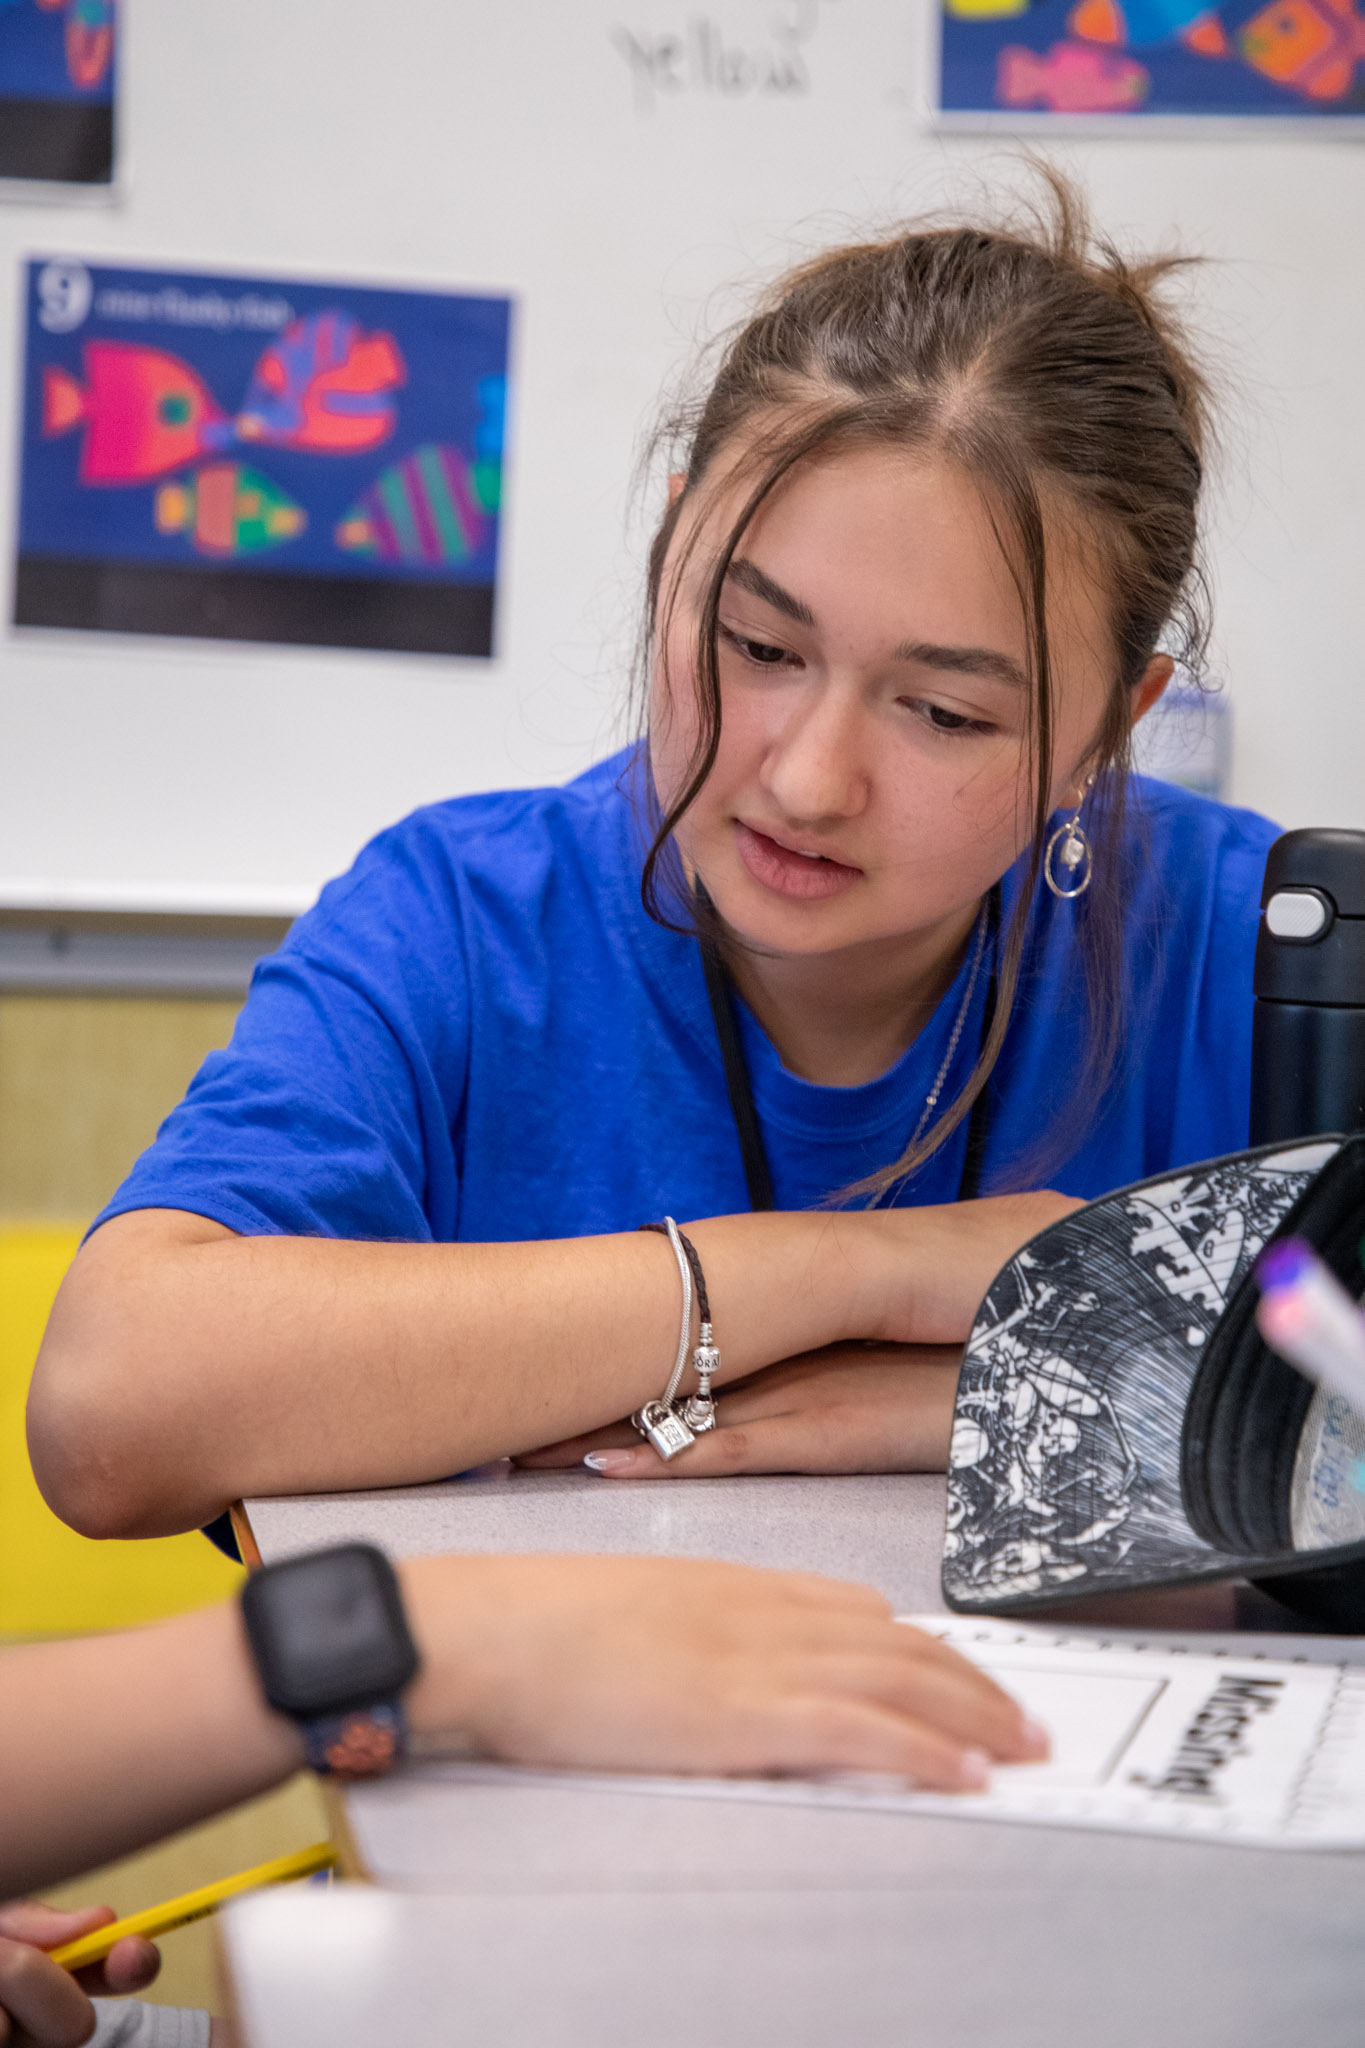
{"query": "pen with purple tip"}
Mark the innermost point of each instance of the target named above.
(1306, 1315)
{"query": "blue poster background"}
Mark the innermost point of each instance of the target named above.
(453, 354)
(33, 50)
(1175, 79)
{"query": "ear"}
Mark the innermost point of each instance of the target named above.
(1151, 684)
(677, 484)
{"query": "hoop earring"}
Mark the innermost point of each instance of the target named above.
(1075, 852)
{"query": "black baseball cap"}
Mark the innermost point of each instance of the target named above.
(1120, 1422)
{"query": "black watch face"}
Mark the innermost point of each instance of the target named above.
(328, 1631)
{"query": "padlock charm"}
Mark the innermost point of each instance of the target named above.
(663, 1428)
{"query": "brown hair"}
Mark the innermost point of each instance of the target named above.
(1040, 360)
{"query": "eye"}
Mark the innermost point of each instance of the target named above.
(939, 718)
(760, 652)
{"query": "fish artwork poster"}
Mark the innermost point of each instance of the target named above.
(57, 69)
(238, 458)
(1012, 63)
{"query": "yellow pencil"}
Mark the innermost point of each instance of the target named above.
(93, 1948)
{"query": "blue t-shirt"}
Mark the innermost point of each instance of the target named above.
(479, 1034)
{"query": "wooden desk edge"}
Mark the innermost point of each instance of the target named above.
(246, 1536)
(350, 1863)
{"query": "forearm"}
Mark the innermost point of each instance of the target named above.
(185, 1367)
(115, 1741)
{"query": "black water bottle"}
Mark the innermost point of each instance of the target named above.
(1308, 1026)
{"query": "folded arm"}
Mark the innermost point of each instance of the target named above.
(185, 1366)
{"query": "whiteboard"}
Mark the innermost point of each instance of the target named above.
(620, 167)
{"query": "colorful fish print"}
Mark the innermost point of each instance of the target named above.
(431, 508)
(89, 38)
(322, 387)
(1311, 46)
(144, 411)
(319, 388)
(228, 509)
(1139, 23)
(1073, 78)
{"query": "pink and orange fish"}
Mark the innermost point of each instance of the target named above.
(1073, 78)
(321, 388)
(144, 411)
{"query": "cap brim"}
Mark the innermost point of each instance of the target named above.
(1064, 1477)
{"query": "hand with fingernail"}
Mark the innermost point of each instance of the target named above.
(847, 1408)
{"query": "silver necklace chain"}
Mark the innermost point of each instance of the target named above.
(931, 1099)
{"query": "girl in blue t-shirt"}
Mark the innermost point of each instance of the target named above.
(929, 551)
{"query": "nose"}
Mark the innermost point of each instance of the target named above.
(816, 765)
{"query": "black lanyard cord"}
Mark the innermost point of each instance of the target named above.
(757, 1173)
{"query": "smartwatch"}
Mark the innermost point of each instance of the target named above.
(334, 1652)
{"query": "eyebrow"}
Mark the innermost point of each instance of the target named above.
(964, 661)
(961, 661)
(750, 577)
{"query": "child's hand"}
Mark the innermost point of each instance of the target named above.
(677, 1664)
(41, 2004)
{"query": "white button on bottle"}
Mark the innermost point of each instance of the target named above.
(1296, 914)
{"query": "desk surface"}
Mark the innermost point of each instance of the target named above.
(812, 1925)
(940, 1967)
(886, 1531)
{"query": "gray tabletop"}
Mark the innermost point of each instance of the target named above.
(815, 1925)
(886, 1530)
(943, 1965)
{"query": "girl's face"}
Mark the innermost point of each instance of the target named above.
(873, 777)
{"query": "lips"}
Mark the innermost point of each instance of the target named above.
(788, 872)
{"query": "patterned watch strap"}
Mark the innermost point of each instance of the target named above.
(362, 1743)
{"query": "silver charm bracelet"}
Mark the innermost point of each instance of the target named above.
(669, 1426)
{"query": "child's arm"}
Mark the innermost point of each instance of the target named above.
(111, 1742)
(608, 1663)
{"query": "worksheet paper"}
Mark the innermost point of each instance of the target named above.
(1229, 1747)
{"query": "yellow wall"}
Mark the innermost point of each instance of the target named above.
(84, 1082)
(83, 1085)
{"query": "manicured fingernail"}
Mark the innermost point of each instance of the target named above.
(1035, 1738)
(609, 1461)
(974, 1770)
